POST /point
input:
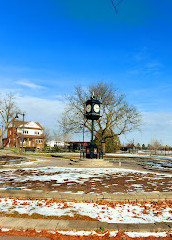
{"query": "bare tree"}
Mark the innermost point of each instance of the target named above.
(47, 134)
(138, 147)
(156, 145)
(66, 129)
(9, 107)
(57, 136)
(117, 116)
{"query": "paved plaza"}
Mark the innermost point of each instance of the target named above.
(55, 225)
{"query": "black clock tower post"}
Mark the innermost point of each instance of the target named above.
(92, 113)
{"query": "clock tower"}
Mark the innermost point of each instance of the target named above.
(92, 113)
(93, 109)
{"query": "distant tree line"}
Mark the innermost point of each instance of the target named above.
(154, 146)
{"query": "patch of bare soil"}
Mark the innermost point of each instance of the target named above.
(7, 158)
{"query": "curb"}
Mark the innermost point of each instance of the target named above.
(127, 197)
(52, 225)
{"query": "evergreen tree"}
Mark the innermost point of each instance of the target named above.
(112, 144)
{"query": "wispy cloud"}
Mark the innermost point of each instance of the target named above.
(153, 65)
(141, 55)
(30, 84)
(45, 111)
(60, 97)
(155, 126)
(146, 68)
(143, 63)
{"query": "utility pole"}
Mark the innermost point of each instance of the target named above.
(22, 127)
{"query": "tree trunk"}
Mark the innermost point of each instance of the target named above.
(103, 147)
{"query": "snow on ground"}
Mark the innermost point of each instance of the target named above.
(114, 233)
(139, 156)
(146, 234)
(110, 213)
(85, 233)
(79, 180)
(60, 174)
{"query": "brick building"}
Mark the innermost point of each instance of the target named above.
(77, 145)
(33, 137)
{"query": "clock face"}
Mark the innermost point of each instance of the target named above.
(88, 108)
(96, 108)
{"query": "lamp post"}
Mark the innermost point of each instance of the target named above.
(23, 126)
(2, 126)
(83, 132)
(1, 111)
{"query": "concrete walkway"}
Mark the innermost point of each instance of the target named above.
(135, 196)
(48, 224)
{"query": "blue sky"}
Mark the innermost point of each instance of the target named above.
(49, 46)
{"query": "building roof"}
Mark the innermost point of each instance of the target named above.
(39, 125)
(19, 123)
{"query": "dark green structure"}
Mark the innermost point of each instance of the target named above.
(92, 113)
